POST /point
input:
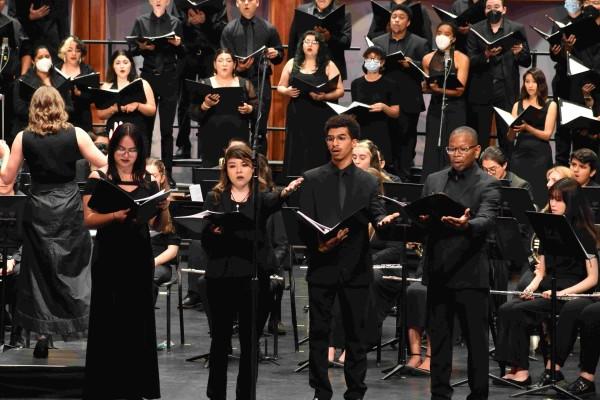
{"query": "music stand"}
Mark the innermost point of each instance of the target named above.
(592, 193)
(206, 186)
(558, 239)
(515, 202)
(11, 219)
(205, 174)
(405, 192)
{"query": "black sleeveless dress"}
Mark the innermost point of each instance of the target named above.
(305, 146)
(434, 157)
(532, 157)
(54, 283)
(136, 118)
(122, 325)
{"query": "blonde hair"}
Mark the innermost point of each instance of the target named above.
(563, 171)
(62, 50)
(160, 166)
(47, 112)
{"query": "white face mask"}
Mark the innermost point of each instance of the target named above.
(44, 64)
(372, 65)
(442, 42)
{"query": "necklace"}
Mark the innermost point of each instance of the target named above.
(237, 202)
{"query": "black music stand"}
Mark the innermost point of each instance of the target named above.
(206, 186)
(11, 218)
(205, 174)
(515, 202)
(559, 239)
(404, 192)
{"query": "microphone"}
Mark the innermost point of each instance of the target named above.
(447, 60)
(4, 49)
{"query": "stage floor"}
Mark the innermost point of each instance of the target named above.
(181, 380)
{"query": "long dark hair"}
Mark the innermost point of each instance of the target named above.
(239, 152)
(322, 54)
(578, 211)
(139, 166)
(111, 76)
(542, 87)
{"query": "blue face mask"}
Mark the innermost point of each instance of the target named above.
(572, 6)
(372, 65)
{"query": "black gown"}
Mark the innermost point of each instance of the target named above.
(218, 126)
(305, 146)
(121, 359)
(532, 157)
(376, 126)
(82, 113)
(136, 118)
(54, 283)
(434, 157)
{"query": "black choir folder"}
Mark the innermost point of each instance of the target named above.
(471, 15)
(305, 87)
(505, 41)
(584, 29)
(452, 81)
(161, 39)
(26, 89)
(327, 232)
(243, 59)
(353, 108)
(108, 197)
(528, 114)
(104, 98)
(435, 205)
(229, 221)
(230, 98)
(577, 68)
(554, 38)
(204, 5)
(575, 116)
(333, 22)
(91, 80)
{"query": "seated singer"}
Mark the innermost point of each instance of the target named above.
(342, 265)
(456, 265)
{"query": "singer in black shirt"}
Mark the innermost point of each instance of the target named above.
(160, 70)
(244, 36)
(202, 28)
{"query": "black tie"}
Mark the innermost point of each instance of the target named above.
(341, 190)
(249, 32)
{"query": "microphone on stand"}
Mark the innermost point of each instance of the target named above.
(447, 60)
(4, 49)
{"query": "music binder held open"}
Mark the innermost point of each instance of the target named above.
(230, 97)
(505, 41)
(91, 80)
(527, 114)
(435, 205)
(333, 22)
(244, 59)
(471, 15)
(327, 231)
(108, 197)
(229, 221)
(305, 87)
(575, 116)
(552, 38)
(160, 39)
(132, 93)
(355, 105)
(204, 5)
(577, 68)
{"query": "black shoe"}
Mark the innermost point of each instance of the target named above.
(190, 302)
(41, 348)
(581, 387)
(546, 379)
(183, 152)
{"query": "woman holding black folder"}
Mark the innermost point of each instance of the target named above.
(122, 314)
(72, 52)
(42, 73)
(220, 121)
(517, 317)
(230, 267)
(307, 111)
(532, 155)
(54, 278)
(121, 72)
(455, 114)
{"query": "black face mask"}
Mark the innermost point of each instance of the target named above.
(494, 17)
(590, 11)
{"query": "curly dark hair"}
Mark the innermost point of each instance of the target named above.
(322, 54)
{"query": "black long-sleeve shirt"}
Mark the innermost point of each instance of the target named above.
(265, 34)
(164, 57)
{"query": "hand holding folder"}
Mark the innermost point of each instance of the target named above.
(225, 221)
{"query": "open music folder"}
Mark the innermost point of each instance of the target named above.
(105, 98)
(229, 221)
(527, 114)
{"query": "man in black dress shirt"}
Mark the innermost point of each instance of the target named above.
(584, 164)
(337, 41)
(160, 70)
(245, 35)
(424, 26)
(409, 79)
(341, 265)
(456, 266)
(202, 28)
(494, 79)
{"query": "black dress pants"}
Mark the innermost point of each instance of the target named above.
(354, 305)
(590, 346)
(404, 144)
(471, 308)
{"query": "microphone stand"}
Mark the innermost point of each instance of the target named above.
(254, 287)
(447, 66)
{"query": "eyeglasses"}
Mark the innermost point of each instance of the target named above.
(491, 171)
(460, 150)
(123, 150)
(309, 42)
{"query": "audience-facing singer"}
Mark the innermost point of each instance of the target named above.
(584, 164)
(442, 62)
(230, 267)
(342, 265)
(54, 279)
(456, 265)
(122, 244)
(409, 79)
(245, 35)
(532, 154)
(494, 79)
(516, 317)
(425, 22)
(307, 112)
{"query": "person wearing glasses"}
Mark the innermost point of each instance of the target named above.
(122, 244)
(456, 265)
(307, 112)
(495, 163)
(532, 155)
